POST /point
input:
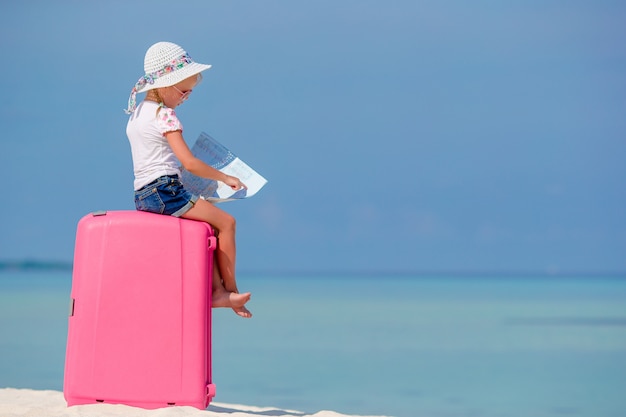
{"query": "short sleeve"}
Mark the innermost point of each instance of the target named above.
(167, 120)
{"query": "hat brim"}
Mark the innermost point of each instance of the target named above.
(175, 77)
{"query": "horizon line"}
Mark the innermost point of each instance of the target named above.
(34, 264)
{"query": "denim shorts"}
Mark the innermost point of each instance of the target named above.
(165, 195)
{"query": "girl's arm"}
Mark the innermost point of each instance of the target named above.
(195, 165)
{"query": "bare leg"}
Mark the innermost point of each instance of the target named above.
(225, 253)
(224, 298)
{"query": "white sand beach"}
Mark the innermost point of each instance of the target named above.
(43, 403)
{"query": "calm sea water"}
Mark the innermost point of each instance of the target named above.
(400, 346)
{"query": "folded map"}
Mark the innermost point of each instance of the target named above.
(219, 157)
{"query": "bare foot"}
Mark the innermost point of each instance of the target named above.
(223, 298)
(242, 312)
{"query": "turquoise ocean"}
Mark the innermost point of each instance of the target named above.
(397, 345)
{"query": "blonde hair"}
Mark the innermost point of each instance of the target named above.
(153, 95)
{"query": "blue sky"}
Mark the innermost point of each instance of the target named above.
(395, 135)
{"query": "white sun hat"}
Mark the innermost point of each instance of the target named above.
(165, 64)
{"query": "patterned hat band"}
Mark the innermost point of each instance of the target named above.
(150, 78)
(176, 64)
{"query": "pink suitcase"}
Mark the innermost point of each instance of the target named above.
(140, 315)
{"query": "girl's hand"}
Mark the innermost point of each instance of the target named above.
(234, 183)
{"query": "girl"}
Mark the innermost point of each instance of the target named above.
(158, 149)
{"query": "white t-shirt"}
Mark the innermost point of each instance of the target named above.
(152, 155)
